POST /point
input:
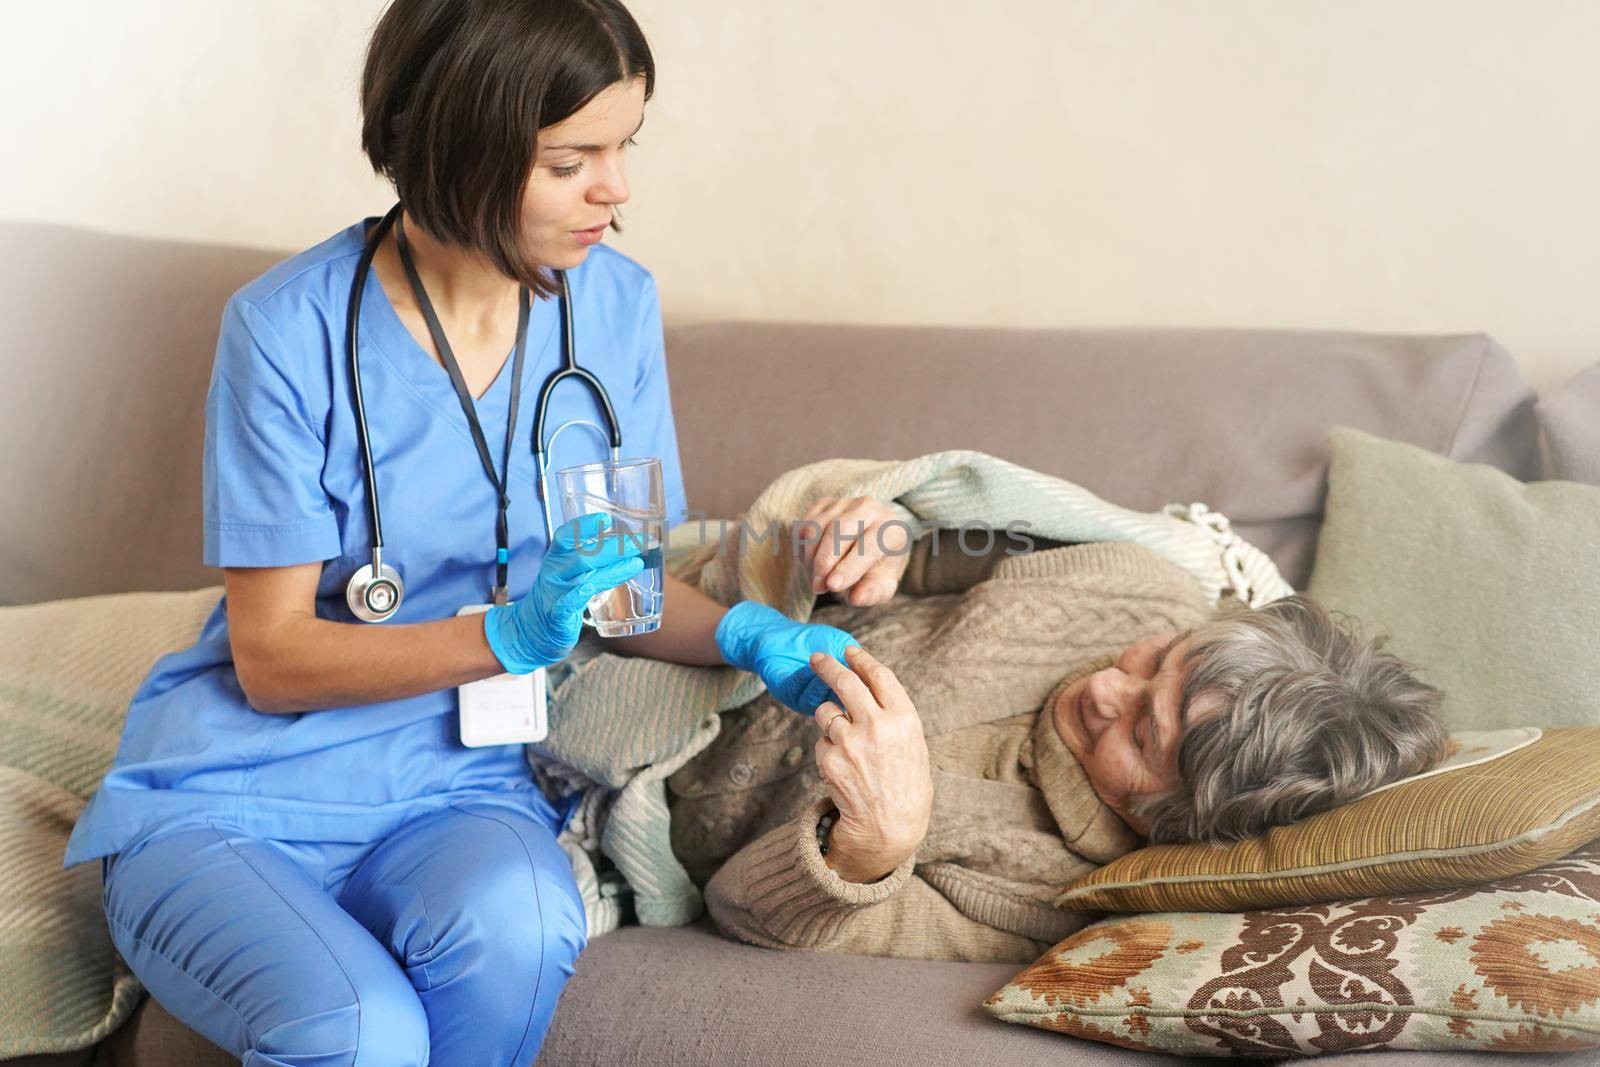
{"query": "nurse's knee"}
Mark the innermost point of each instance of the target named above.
(547, 930)
(543, 919)
(384, 1026)
(529, 921)
(563, 927)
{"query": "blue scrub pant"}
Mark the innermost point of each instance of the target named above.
(446, 943)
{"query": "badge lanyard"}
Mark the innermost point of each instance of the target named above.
(500, 483)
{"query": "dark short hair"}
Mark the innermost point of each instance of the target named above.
(455, 92)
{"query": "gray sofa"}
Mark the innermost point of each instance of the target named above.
(107, 343)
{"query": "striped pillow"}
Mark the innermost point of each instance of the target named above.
(1473, 824)
(68, 669)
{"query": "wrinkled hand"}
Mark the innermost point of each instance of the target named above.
(582, 560)
(856, 547)
(873, 758)
(769, 644)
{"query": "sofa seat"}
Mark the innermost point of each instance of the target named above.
(686, 997)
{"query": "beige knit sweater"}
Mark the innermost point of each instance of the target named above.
(979, 644)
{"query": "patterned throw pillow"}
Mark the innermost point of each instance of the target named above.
(1508, 966)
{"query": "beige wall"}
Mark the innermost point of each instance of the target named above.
(1405, 165)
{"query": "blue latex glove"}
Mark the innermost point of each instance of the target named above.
(769, 644)
(542, 627)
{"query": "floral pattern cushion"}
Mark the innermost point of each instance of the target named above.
(1510, 966)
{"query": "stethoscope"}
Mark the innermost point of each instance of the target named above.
(375, 591)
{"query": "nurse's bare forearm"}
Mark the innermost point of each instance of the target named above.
(687, 633)
(316, 664)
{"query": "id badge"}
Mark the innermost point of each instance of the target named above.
(504, 710)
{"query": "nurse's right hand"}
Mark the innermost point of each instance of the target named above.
(542, 627)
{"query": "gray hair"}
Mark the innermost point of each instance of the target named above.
(1315, 714)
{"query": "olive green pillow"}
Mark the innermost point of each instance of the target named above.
(1488, 585)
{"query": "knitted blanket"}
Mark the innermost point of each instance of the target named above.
(619, 726)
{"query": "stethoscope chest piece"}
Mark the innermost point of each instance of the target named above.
(374, 599)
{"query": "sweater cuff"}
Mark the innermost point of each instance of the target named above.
(795, 894)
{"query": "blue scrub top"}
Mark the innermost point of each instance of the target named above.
(283, 484)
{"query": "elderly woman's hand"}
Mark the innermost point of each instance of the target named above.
(874, 760)
(854, 546)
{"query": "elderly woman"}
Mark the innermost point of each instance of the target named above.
(1046, 711)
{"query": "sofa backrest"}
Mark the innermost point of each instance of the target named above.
(1231, 418)
(106, 345)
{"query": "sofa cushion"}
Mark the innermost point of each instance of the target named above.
(1231, 418)
(657, 997)
(1477, 822)
(1487, 585)
(1510, 966)
(592, 1028)
(153, 1038)
(1570, 420)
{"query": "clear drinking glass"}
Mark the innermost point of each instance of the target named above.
(630, 491)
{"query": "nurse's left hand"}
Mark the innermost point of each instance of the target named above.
(582, 561)
(769, 644)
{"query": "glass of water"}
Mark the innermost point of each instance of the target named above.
(630, 492)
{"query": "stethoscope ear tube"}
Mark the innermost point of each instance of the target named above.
(541, 447)
(374, 592)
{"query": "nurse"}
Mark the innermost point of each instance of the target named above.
(300, 859)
